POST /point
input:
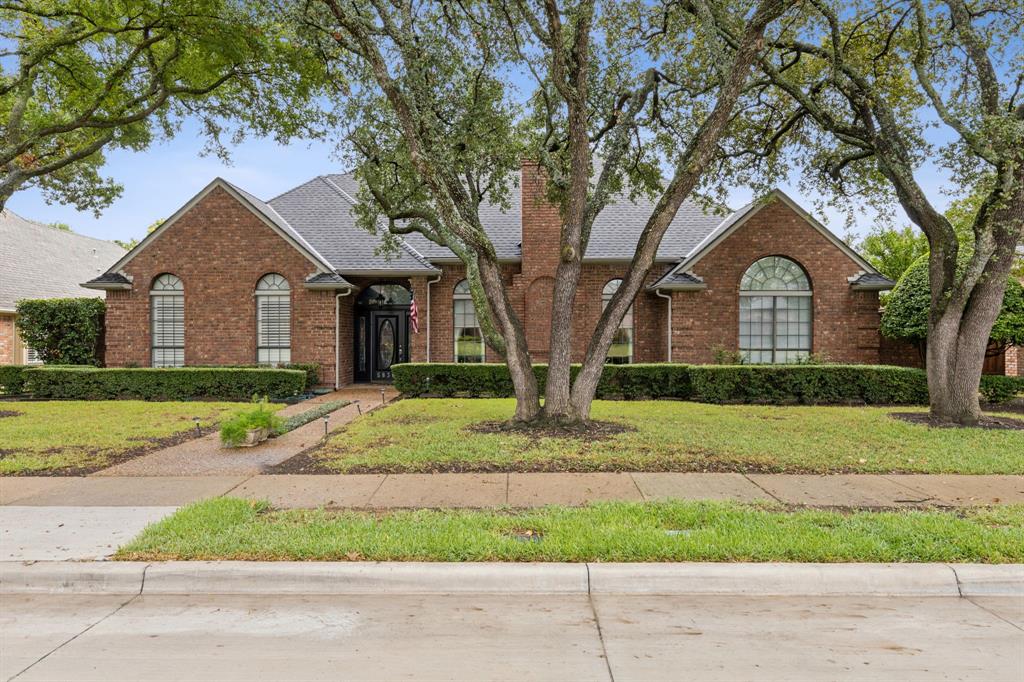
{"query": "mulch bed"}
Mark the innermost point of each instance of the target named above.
(591, 430)
(10, 413)
(147, 446)
(987, 422)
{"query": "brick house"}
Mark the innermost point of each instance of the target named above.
(40, 261)
(231, 279)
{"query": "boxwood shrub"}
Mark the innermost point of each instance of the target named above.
(179, 383)
(767, 384)
(312, 370)
(12, 380)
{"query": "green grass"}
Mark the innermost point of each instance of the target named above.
(78, 436)
(430, 435)
(227, 528)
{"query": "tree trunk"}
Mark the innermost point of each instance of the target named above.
(958, 340)
(954, 374)
(517, 354)
(689, 169)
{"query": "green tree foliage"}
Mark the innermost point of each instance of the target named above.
(864, 95)
(78, 77)
(907, 308)
(892, 251)
(64, 331)
(63, 227)
(448, 97)
(129, 244)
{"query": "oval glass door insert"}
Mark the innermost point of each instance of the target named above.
(386, 344)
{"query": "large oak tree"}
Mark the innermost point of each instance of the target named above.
(871, 97)
(81, 77)
(444, 97)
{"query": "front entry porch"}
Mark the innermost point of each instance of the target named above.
(380, 331)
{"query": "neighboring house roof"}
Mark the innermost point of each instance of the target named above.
(736, 220)
(40, 261)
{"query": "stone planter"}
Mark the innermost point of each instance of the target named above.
(254, 437)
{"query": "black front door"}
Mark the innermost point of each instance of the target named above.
(388, 342)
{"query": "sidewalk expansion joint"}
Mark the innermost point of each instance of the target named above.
(761, 488)
(597, 624)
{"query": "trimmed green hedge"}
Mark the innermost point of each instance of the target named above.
(312, 370)
(768, 384)
(12, 379)
(179, 383)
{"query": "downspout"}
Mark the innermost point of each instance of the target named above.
(337, 337)
(669, 299)
(429, 282)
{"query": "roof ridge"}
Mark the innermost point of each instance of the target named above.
(412, 252)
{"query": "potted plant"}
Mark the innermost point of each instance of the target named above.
(250, 427)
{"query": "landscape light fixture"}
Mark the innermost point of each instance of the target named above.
(195, 420)
(326, 417)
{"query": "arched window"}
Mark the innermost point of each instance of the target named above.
(469, 338)
(167, 321)
(273, 320)
(621, 352)
(775, 312)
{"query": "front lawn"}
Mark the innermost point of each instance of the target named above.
(431, 435)
(226, 528)
(76, 437)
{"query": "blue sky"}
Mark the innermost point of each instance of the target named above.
(160, 180)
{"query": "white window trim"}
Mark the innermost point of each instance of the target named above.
(276, 293)
(165, 293)
(465, 296)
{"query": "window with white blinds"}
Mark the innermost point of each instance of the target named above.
(273, 320)
(167, 321)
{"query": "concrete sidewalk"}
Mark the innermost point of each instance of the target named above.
(382, 491)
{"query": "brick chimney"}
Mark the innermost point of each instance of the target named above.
(542, 224)
(541, 234)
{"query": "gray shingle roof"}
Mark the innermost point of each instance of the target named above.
(321, 211)
(679, 280)
(39, 261)
(618, 227)
(872, 280)
(321, 218)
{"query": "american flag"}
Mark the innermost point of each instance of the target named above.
(414, 316)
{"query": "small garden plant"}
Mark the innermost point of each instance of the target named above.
(260, 416)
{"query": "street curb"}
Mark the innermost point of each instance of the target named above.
(326, 578)
(72, 577)
(241, 577)
(776, 579)
(990, 580)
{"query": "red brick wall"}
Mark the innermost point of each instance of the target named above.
(1015, 361)
(220, 250)
(8, 341)
(845, 321)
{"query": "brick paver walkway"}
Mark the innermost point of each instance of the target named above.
(380, 491)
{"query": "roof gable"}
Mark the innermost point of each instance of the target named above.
(258, 208)
(737, 219)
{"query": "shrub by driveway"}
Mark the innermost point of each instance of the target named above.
(78, 437)
(433, 435)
